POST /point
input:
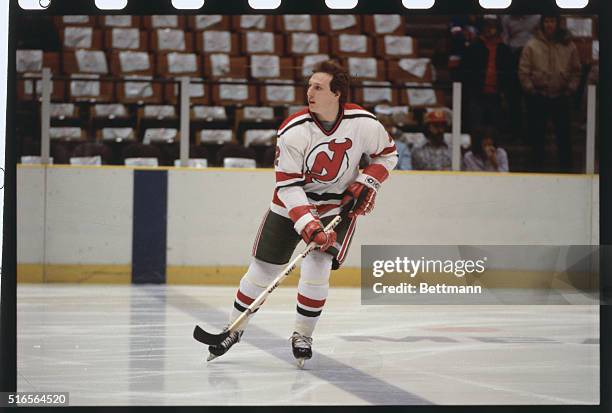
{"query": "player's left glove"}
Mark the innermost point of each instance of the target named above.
(363, 191)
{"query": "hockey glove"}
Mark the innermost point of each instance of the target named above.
(314, 232)
(363, 191)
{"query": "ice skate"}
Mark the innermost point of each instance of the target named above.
(302, 348)
(224, 346)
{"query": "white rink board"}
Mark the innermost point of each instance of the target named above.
(213, 215)
(412, 208)
(88, 216)
(30, 214)
(595, 209)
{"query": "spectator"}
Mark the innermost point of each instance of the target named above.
(484, 154)
(549, 71)
(463, 30)
(435, 154)
(484, 71)
(516, 32)
(404, 162)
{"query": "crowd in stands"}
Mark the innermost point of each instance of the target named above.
(115, 85)
(519, 73)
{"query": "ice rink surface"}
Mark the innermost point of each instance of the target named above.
(133, 345)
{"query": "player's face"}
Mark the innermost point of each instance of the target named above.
(320, 97)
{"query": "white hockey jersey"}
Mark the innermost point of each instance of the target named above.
(314, 166)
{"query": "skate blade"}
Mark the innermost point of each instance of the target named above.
(211, 357)
(300, 363)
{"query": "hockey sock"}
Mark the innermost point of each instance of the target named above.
(256, 279)
(312, 291)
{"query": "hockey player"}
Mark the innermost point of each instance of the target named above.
(317, 177)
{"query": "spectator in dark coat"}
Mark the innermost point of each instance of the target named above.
(517, 30)
(485, 75)
(463, 31)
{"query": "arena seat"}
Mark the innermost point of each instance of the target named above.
(234, 150)
(160, 135)
(239, 163)
(164, 21)
(366, 68)
(91, 149)
(115, 134)
(340, 23)
(29, 64)
(86, 160)
(410, 70)
(193, 163)
(304, 64)
(259, 137)
(198, 90)
(174, 64)
(140, 150)
(137, 69)
(209, 22)
(300, 44)
(221, 65)
(80, 37)
(278, 94)
(233, 91)
(296, 23)
(74, 20)
(384, 24)
(216, 41)
(64, 111)
(393, 47)
(171, 40)
(421, 97)
(157, 116)
(123, 21)
(197, 153)
(125, 38)
(352, 45)
(374, 95)
(253, 22)
(154, 162)
(33, 160)
(109, 115)
(260, 42)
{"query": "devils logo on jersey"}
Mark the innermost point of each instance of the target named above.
(328, 161)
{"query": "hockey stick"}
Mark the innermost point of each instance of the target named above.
(214, 339)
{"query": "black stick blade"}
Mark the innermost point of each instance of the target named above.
(211, 339)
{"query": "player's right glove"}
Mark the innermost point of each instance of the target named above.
(364, 197)
(363, 191)
(314, 232)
